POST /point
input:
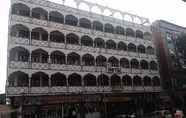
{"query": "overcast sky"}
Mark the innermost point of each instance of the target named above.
(169, 10)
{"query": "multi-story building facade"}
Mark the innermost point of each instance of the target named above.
(63, 61)
(172, 67)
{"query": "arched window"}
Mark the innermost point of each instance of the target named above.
(131, 47)
(73, 59)
(122, 46)
(137, 81)
(147, 81)
(89, 80)
(110, 44)
(40, 13)
(139, 34)
(141, 49)
(88, 60)
(18, 79)
(153, 65)
(147, 36)
(103, 80)
(127, 80)
(39, 79)
(20, 9)
(58, 79)
(120, 30)
(99, 43)
(39, 34)
(130, 32)
(85, 23)
(39, 56)
(124, 63)
(74, 80)
(19, 54)
(86, 41)
(156, 81)
(97, 26)
(150, 50)
(71, 20)
(115, 80)
(109, 28)
(144, 64)
(20, 31)
(57, 57)
(101, 60)
(134, 64)
(57, 37)
(72, 39)
(113, 61)
(57, 17)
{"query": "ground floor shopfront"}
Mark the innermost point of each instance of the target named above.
(86, 106)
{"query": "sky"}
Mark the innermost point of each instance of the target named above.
(169, 10)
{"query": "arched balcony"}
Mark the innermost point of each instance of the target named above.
(57, 17)
(156, 81)
(39, 79)
(103, 80)
(153, 65)
(74, 80)
(86, 41)
(73, 59)
(130, 32)
(19, 54)
(150, 50)
(131, 47)
(88, 60)
(39, 13)
(99, 43)
(58, 57)
(139, 34)
(101, 60)
(39, 34)
(124, 63)
(85, 23)
(122, 46)
(20, 9)
(57, 37)
(18, 79)
(72, 39)
(134, 64)
(71, 20)
(39, 56)
(109, 28)
(19, 30)
(89, 80)
(137, 81)
(120, 30)
(147, 36)
(144, 64)
(141, 49)
(97, 26)
(127, 80)
(58, 79)
(110, 44)
(113, 62)
(147, 81)
(115, 80)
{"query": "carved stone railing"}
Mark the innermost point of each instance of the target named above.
(131, 39)
(136, 71)
(148, 89)
(113, 52)
(39, 43)
(89, 68)
(157, 88)
(126, 70)
(123, 53)
(90, 89)
(39, 22)
(39, 90)
(73, 67)
(100, 69)
(73, 47)
(57, 45)
(58, 66)
(75, 89)
(40, 65)
(127, 89)
(20, 18)
(104, 89)
(133, 54)
(19, 64)
(143, 55)
(138, 89)
(145, 71)
(18, 40)
(58, 89)
(16, 90)
(154, 71)
(88, 49)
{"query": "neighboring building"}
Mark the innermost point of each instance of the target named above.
(63, 61)
(172, 63)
